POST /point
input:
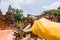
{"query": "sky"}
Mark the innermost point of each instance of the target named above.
(35, 7)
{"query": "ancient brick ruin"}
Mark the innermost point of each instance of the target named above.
(8, 19)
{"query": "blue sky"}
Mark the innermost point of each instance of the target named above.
(35, 7)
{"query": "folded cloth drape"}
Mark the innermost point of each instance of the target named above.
(46, 29)
(6, 35)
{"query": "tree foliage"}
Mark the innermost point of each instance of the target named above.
(17, 14)
(55, 11)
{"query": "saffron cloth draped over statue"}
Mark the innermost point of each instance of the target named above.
(46, 29)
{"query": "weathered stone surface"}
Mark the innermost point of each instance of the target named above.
(7, 20)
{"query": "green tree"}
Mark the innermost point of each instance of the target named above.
(55, 11)
(58, 7)
(49, 11)
(17, 14)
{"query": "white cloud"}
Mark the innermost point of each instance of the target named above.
(53, 6)
(44, 7)
(14, 3)
(29, 1)
(4, 6)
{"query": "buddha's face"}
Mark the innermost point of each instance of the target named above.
(31, 19)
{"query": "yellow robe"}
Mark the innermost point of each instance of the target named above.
(46, 29)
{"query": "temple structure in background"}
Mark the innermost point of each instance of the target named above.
(7, 20)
